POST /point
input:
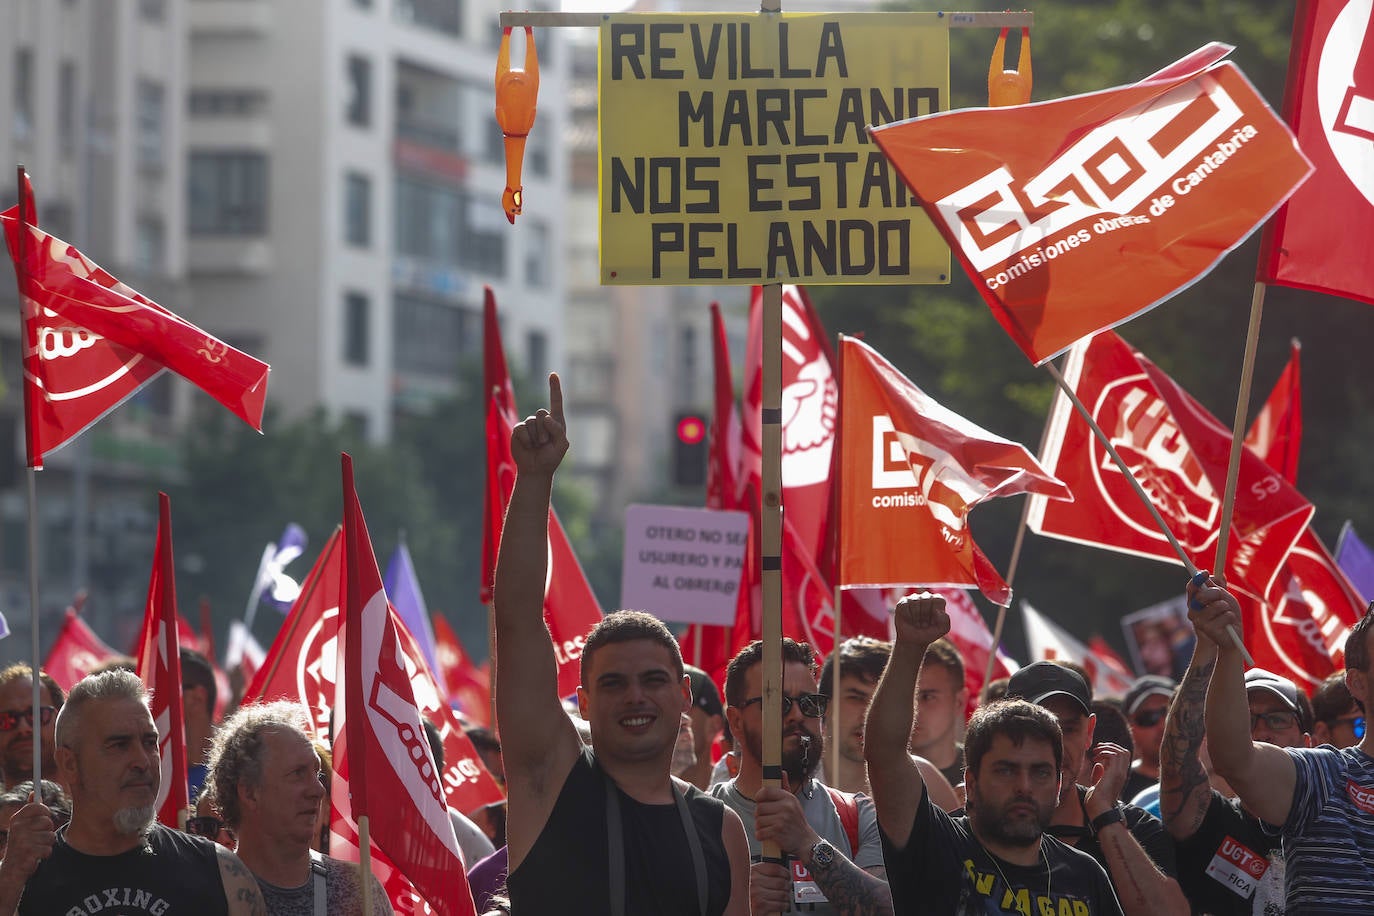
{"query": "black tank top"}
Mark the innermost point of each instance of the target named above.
(171, 874)
(567, 870)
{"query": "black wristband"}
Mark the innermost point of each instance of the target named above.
(1104, 820)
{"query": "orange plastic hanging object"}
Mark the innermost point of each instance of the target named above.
(516, 93)
(1010, 87)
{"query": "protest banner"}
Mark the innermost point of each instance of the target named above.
(684, 564)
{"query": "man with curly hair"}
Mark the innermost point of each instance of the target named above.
(266, 781)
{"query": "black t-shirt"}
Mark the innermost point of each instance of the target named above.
(1148, 831)
(944, 871)
(171, 874)
(955, 771)
(567, 870)
(1136, 783)
(1230, 866)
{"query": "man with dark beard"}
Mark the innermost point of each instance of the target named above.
(112, 856)
(996, 858)
(829, 837)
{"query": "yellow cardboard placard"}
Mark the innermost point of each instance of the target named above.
(733, 148)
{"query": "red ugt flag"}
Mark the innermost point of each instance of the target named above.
(498, 396)
(912, 472)
(1075, 215)
(159, 666)
(90, 342)
(386, 759)
(75, 652)
(1322, 238)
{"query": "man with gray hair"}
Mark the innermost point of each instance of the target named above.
(112, 855)
(265, 777)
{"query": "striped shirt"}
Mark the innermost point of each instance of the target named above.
(1328, 839)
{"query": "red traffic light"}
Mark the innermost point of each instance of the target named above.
(691, 430)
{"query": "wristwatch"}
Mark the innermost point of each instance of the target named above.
(822, 854)
(1104, 820)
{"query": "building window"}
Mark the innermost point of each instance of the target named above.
(441, 15)
(430, 336)
(359, 110)
(152, 10)
(240, 103)
(357, 209)
(228, 193)
(66, 108)
(356, 315)
(151, 98)
(23, 93)
(538, 269)
(450, 226)
(150, 244)
(537, 354)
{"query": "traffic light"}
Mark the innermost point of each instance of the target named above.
(689, 450)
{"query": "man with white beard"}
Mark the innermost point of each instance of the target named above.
(112, 856)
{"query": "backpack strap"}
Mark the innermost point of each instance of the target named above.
(847, 807)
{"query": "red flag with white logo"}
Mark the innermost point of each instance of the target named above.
(159, 667)
(912, 472)
(570, 606)
(75, 652)
(497, 395)
(1075, 215)
(90, 342)
(1276, 432)
(810, 407)
(380, 746)
(469, 686)
(1179, 453)
(300, 667)
(1322, 238)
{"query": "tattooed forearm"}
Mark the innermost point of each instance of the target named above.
(853, 891)
(1184, 789)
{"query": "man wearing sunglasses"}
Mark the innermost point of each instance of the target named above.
(829, 838)
(16, 723)
(1145, 706)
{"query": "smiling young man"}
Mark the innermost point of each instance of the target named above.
(112, 851)
(601, 829)
(267, 784)
(996, 858)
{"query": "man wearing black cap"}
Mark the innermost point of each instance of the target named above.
(708, 720)
(1128, 841)
(1229, 864)
(1145, 705)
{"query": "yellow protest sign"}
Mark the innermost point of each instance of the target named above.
(733, 148)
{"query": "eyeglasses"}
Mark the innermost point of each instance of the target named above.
(1150, 718)
(204, 825)
(10, 718)
(812, 705)
(1277, 721)
(1356, 724)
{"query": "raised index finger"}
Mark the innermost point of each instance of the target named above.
(556, 398)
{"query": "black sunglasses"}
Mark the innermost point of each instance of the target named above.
(812, 705)
(10, 718)
(1150, 718)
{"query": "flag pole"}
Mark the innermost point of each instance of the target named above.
(1139, 490)
(35, 641)
(364, 865)
(836, 552)
(770, 530)
(1247, 375)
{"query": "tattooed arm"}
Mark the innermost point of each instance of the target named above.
(1184, 790)
(853, 890)
(240, 887)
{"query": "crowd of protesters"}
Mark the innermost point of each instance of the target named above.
(1229, 792)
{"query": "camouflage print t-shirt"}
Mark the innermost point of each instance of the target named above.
(343, 896)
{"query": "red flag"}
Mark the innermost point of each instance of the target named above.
(381, 751)
(1322, 238)
(1179, 453)
(570, 606)
(497, 395)
(469, 686)
(90, 342)
(1276, 433)
(300, 667)
(810, 405)
(159, 666)
(75, 652)
(1139, 190)
(912, 472)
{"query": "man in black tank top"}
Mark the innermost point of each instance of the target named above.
(605, 830)
(112, 857)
